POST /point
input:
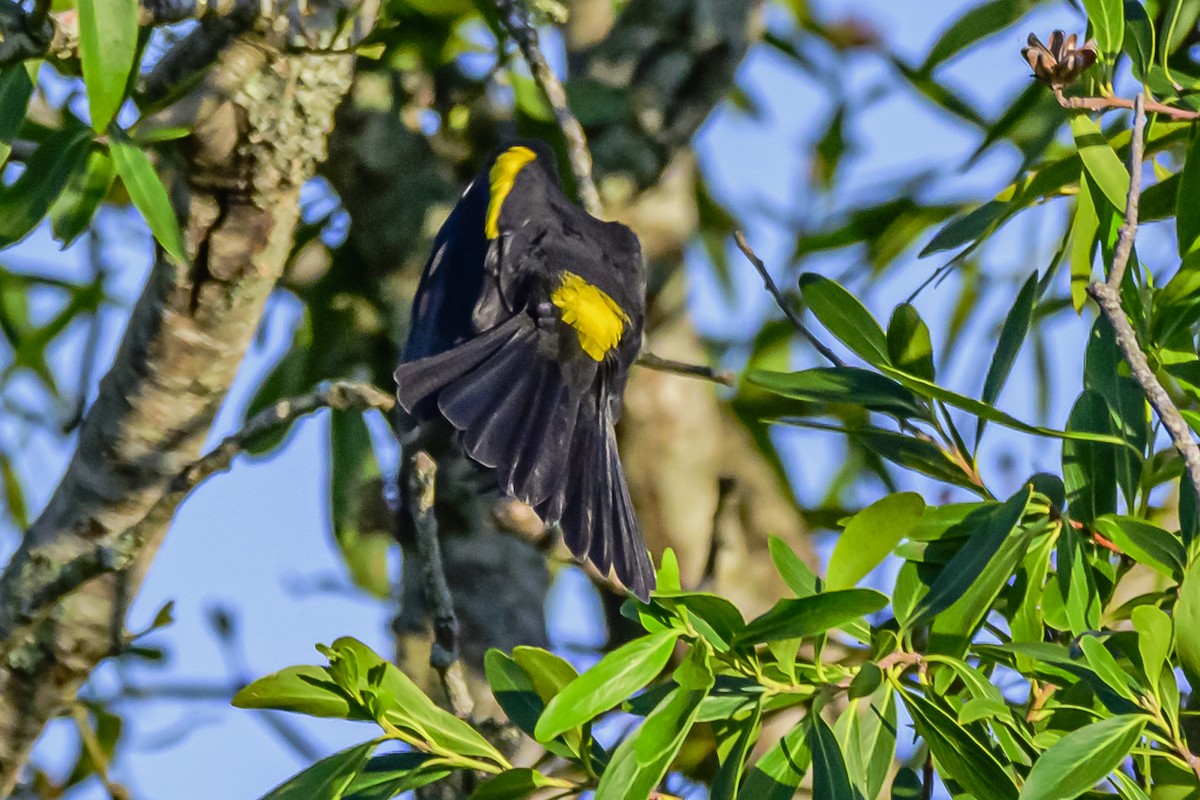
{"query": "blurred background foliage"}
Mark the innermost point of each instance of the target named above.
(438, 87)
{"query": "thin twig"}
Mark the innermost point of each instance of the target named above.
(443, 656)
(1110, 103)
(1128, 231)
(781, 301)
(698, 371)
(522, 30)
(29, 592)
(1108, 296)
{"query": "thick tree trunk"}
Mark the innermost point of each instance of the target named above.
(260, 124)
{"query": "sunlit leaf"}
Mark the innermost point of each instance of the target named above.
(148, 194)
(108, 32)
(1082, 758)
(870, 536)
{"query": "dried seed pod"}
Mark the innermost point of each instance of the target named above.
(1062, 62)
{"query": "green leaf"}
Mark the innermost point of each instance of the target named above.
(968, 227)
(849, 385)
(108, 34)
(1153, 627)
(870, 536)
(1125, 400)
(1187, 623)
(1177, 307)
(795, 573)
(735, 735)
(845, 317)
(16, 88)
(148, 194)
(1102, 163)
(328, 778)
(358, 514)
(1178, 21)
(1107, 18)
(1145, 543)
(779, 772)
(961, 756)
(47, 172)
(808, 616)
(1012, 335)
(1139, 39)
(831, 781)
(72, 213)
(716, 619)
(392, 774)
(1089, 468)
(640, 762)
(977, 23)
(909, 345)
(303, 690)
(1104, 664)
(1084, 227)
(984, 411)
(1082, 758)
(1187, 216)
(512, 784)
(991, 526)
(617, 676)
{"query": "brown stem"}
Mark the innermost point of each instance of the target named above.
(700, 372)
(1128, 231)
(1110, 103)
(788, 311)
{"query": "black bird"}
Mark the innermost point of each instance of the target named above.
(527, 319)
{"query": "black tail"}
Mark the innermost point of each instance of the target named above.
(551, 447)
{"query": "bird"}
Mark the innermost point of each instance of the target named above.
(526, 321)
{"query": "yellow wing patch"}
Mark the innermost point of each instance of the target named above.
(596, 317)
(502, 175)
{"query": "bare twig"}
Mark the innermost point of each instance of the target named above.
(1128, 231)
(522, 30)
(781, 301)
(26, 597)
(443, 656)
(1108, 296)
(698, 371)
(1110, 103)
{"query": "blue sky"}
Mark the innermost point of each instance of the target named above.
(256, 539)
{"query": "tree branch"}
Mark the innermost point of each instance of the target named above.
(1094, 104)
(26, 595)
(700, 372)
(522, 30)
(443, 655)
(1108, 296)
(781, 301)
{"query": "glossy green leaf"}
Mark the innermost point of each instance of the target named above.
(1089, 468)
(550, 673)
(1008, 345)
(149, 195)
(778, 773)
(968, 227)
(1104, 664)
(808, 616)
(355, 495)
(390, 775)
(1076, 583)
(909, 345)
(1145, 543)
(845, 317)
(1107, 18)
(328, 778)
(795, 573)
(1102, 373)
(870, 536)
(47, 173)
(990, 526)
(735, 735)
(1102, 163)
(962, 757)
(72, 213)
(831, 781)
(848, 385)
(640, 762)
(108, 33)
(512, 784)
(1187, 623)
(1139, 39)
(1177, 306)
(302, 689)
(1082, 758)
(1187, 215)
(1153, 627)
(617, 676)
(1179, 20)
